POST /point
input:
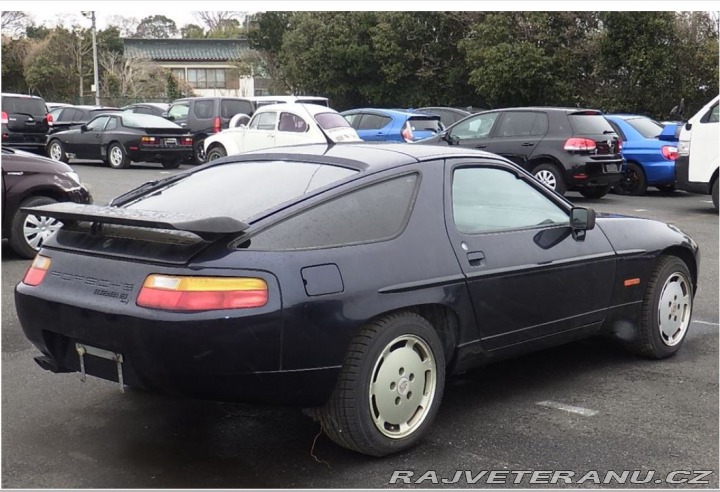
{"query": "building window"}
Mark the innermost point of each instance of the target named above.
(206, 78)
(179, 73)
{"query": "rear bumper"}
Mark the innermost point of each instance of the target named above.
(25, 141)
(659, 172)
(157, 155)
(682, 173)
(585, 171)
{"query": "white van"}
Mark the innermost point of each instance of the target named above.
(696, 167)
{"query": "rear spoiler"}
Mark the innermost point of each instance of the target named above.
(207, 227)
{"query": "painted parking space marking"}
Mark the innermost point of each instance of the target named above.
(586, 412)
(705, 322)
(640, 210)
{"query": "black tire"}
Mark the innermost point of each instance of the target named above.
(715, 194)
(199, 151)
(216, 152)
(170, 163)
(29, 232)
(595, 191)
(56, 151)
(633, 182)
(116, 157)
(393, 349)
(551, 176)
(655, 336)
(668, 188)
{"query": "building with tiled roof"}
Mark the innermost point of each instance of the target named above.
(209, 66)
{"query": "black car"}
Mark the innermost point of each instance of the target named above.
(351, 279)
(565, 148)
(121, 138)
(29, 180)
(156, 109)
(69, 117)
(204, 116)
(25, 122)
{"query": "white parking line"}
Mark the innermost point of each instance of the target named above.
(640, 210)
(705, 322)
(586, 412)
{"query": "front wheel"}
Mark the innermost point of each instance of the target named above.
(633, 182)
(551, 177)
(390, 386)
(666, 310)
(29, 232)
(56, 151)
(595, 191)
(216, 152)
(117, 158)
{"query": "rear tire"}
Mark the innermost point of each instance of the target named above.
(29, 232)
(595, 191)
(390, 386)
(116, 157)
(56, 151)
(171, 163)
(666, 310)
(199, 151)
(550, 176)
(715, 194)
(216, 152)
(633, 182)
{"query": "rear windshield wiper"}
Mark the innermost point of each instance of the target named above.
(145, 188)
(606, 132)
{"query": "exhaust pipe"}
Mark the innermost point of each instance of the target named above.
(49, 364)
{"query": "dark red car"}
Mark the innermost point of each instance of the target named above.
(29, 180)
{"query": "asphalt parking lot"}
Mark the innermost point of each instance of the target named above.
(522, 414)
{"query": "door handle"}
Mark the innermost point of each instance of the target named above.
(527, 144)
(476, 258)
(481, 146)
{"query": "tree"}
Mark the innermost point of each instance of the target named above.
(156, 27)
(131, 78)
(46, 67)
(216, 19)
(14, 52)
(192, 31)
(14, 22)
(126, 26)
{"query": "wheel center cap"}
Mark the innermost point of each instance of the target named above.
(403, 386)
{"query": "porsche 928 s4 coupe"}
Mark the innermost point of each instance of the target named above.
(122, 138)
(351, 279)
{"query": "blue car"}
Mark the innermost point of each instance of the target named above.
(391, 125)
(650, 150)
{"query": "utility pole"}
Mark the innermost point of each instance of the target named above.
(95, 60)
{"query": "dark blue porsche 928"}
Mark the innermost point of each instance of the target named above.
(351, 279)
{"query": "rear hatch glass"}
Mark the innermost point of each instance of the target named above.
(25, 114)
(646, 127)
(425, 126)
(594, 125)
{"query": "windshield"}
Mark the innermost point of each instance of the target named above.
(646, 127)
(136, 120)
(241, 190)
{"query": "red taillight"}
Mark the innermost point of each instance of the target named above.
(669, 152)
(407, 133)
(217, 124)
(149, 140)
(4, 118)
(36, 273)
(580, 144)
(619, 145)
(186, 141)
(202, 293)
(49, 119)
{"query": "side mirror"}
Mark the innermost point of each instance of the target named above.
(582, 219)
(449, 138)
(168, 116)
(83, 128)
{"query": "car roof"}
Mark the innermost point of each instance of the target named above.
(545, 108)
(12, 94)
(296, 108)
(366, 156)
(156, 104)
(392, 112)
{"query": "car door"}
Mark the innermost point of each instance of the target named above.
(473, 132)
(528, 275)
(292, 129)
(374, 127)
(517, 135)
(86, 143)
(261, 131)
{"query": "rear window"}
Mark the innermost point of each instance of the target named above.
(29, 105)
(138, 120)
(230, 107)
(590, 124)
(328, 121)
(646, 127)
(242, 190)
(421, 123)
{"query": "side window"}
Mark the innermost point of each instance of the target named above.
(521, 124)
(179, 110)
(292, 123)
(478, 127)
(230, 107)
(265, 121)
(143, 110)
(111, 124)
(373, 213)
(97, 124)
(712, 116)
(491, 199)
(373, 122)
(353, 119)
(203, 109)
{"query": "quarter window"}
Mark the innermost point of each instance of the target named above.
(714, 115)
(373, 213)
(203, 109)
(292, 123)
(491, 199)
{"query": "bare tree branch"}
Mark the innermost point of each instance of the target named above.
(14, 22)
(215, 19)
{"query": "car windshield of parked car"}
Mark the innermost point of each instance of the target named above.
(646, 127)
(136, 120)
(241, 190)
(328, 121)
